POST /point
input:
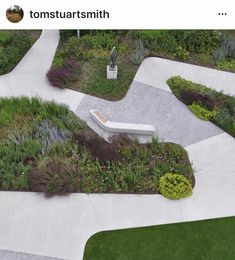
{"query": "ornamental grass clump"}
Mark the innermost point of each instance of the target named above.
(226, 48)
(99, 149)
(140, 52)
(175, 186)
(56, 178)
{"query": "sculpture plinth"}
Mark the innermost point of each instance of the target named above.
(112, 72)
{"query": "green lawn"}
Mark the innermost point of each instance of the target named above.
(94, 81)
(207, 240)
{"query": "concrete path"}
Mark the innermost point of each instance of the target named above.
(59, 227)
(29, 76)
(156, 71)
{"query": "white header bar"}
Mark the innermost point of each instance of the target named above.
(148, 14)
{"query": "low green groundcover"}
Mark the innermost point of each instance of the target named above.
(199, 240)
(44, 147)
(13, 46)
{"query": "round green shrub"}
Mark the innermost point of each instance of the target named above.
(175, 186)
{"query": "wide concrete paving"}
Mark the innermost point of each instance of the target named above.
(156, 71)
(173, 121)
(157, 105)
(60, 226)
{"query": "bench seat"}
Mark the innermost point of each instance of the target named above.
(116, 127)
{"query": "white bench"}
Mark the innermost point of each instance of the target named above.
(116, 127)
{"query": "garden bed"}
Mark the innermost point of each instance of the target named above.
(206, 103)
(80, 63)
(208, 48)
(45, 148)
(13, 47)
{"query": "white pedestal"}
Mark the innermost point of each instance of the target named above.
(112, 73)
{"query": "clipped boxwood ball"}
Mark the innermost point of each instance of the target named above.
(175, 186)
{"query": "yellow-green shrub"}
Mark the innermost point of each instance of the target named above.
(226, 65)
(175, 186)
(202, 112)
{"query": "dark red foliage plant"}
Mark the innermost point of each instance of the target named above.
(189, 96)
(99, 148)
(55, 179)
(62, 76)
